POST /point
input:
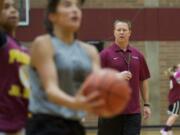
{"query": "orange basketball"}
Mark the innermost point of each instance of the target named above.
(115, 91)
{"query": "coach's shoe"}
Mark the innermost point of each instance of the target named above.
(163, 132)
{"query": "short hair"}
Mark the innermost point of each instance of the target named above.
(124, 21)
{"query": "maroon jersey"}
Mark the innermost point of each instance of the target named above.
(13, 95)
(174, 93)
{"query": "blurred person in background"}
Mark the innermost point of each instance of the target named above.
(174, 99)
(132, 66)
(13, 93)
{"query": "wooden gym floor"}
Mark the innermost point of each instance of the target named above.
(145, 132)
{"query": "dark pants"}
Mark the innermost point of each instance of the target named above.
(120, 125)
(41, 124)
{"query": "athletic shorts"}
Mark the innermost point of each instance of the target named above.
(174, 108)
(43, 124)
(120, 125)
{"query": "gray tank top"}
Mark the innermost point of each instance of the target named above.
(73, 65)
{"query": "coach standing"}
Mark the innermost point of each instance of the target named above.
(132, 67)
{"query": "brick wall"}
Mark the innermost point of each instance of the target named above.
(38, 3)
(169, 3)
(112, 3)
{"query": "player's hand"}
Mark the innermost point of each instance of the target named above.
(146, 112)
(90, 102)
(126, 75)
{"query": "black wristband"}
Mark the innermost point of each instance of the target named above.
(147, 105)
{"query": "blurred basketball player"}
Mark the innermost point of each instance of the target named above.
(13, 94)
(60, 64)
(174, 99)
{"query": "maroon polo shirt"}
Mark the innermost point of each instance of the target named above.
(132, 60)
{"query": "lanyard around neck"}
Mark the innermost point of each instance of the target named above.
(127, 60)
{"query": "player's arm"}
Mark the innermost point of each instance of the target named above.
(178, 80)
(145, 96)
(144, 76)
(144, 91)
(42, 60)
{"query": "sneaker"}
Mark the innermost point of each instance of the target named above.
(163, 132)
